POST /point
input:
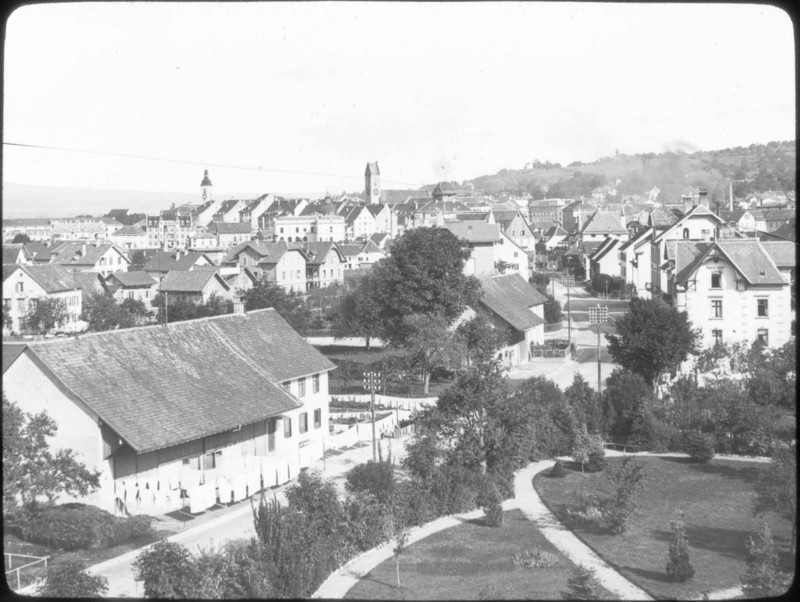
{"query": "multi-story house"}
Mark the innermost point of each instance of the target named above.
(37, 229)
(204, 214)
(17, 253)
(230, 234)
(731, 289)
(360, 222)
(196, 286)
(130, 238)
(275, 261)
(325, 264)
(544, 213)
(253, 209)
(492, 251)
(159, 263)
(634, 259)
(306, 228)
(280, 207)
(514, 225)
(169, 230)
(228, 211)
(385, 219)
(24, 285)
(79, 228)
(183, 415)
(138, 286)
(606, 258)
(103, 258)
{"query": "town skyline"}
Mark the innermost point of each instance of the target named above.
(295, 97)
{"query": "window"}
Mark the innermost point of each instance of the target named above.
(686, 232)
(763, 308)
(317, 418)
(20, 287)
(21, 306)
(7, 303)
(717, 334)
(763, 336)
(706, 234)
(716, 308)
(716, 280)
(301, 387)
(315, 383)
(304, 422)
(287, 428)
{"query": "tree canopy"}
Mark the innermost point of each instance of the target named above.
(31, 471)
(652, 338)
(290, 306)
(46, 314)
(423, 275)
(102, 312)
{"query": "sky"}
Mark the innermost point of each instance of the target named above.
(291, 97)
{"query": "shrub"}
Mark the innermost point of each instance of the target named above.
(679, 566)
(618, 506)
(489, 500)
(505, 486)
(597, 455)
(557, 471)
(70, 580)
(167, 571)
(376, 478)
(78, 526)
(534, 559)
(763, 579)
(700, 447)
(582, 585)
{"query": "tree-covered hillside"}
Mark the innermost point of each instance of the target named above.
(752, 169)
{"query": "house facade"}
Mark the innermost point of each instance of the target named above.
(196, 286)
(490, 249)
(103, 258)
(138, 286)
(181, 416)
(325, 264)
(24, 285)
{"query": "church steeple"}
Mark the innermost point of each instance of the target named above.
(205, 187)
(372, 184)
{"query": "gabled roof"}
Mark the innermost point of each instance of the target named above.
(590, 246)
(445, 206)
(91, 281)
(375, 210)
(473, 216)
(510, 297)
(782, 252)
(372, 169)
(505, 217)
(555, 231)
(131, 279)
(637, 240)
(746, 255)
(661, 217)
(226, 206)
(130, 231)
(370, 247)
(394, 197)
(70, 254)
(166, 262)
(350, 250)
(52, 278)
(786, 231)
(11, 351)
(12, 252)
(731, 216)
(189, 282)
(379, 237)
(604, 222)
(475, 232)
(159, 386)
(608, 244)
(318, 251)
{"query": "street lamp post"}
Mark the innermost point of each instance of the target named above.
(371, 380)
(598, 315)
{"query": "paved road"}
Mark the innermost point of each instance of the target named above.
(237, 523)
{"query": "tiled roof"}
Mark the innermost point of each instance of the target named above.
(12, 252)
(786, 231)
(510, 297)
(226, 206)
(70, 254)
(601, 251)
(636, 241)
(370, 247)
(473, 216)
(783, 253)
(38, 251)
(11, 351)
(504, 217)
(132, 278)
(555, 231)
(318, 251)
(394, 197)
(590, 246)
(162, 385)
(91, 282)
(475, 232)
(661, 217)
(378, 237)
(375, 209)
(350, 250)
(604, 222)
(166, 262)
(687, 255)
(130, 231)
(752, 260)
(731, 216)
(189, 282)
(449, 206)
(230, 228)
(52, 278)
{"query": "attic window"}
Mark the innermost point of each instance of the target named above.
(762, 272)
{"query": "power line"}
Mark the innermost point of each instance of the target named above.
(187, 162)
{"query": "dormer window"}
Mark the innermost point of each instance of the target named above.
(716, 280)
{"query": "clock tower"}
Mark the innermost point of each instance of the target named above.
(372, 184)
(205, 188)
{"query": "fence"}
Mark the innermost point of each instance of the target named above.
(389, 402)
(9, 559)
(545, 352)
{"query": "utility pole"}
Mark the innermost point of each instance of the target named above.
(371, 380)
(598, 315)
(568, 280)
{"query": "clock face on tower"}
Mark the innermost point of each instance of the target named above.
(375, 191)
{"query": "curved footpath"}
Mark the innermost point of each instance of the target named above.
(526, 499)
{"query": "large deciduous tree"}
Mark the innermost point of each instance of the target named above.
(429, 344)
(652, 338)
(357, 315)
(102, 312)
(480, 339)
(46, 314)
(266, 293)
(31, 471)
(423, 275)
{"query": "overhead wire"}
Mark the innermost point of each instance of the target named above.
(190, 162)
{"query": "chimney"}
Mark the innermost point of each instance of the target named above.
(730, 196)
(702, 196)
(238, 307)
(83, 250)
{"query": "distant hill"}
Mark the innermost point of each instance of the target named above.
(756, 168)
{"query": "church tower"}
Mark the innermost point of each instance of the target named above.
(205, 187)
(372, 184)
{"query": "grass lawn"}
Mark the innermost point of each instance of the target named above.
(468, 562)
(716, 500)
(14, 545)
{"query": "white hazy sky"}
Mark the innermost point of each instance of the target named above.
(431, 91)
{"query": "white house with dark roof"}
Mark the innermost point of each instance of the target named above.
(24, 285)
(229, 234)
(634, 259)
(196, 286)
(161, 262)
(514, 225)
(17, 253)
(37, 229)
(103, 258)
(276, 261)
(490, 249)
(517, 309)
(130, 237)
(605, 259)
(731, 289)
(181, 416)
(325, 264)
(139, 286)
